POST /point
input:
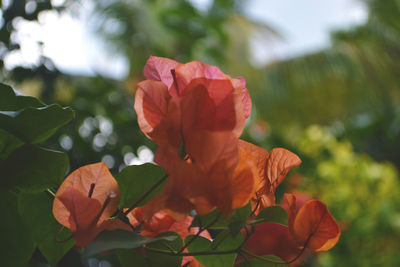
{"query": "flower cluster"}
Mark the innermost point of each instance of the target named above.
(311, 227)
(196, 107)
(196, 114)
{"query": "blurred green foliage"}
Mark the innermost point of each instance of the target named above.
(27, 170)
(355, 82)
(361, 193)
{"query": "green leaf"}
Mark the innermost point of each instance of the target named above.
(223, 242)
(36, 211)
(158, 259)
(131, 258)
(8, 143)
(134, 181)
(107, 240)
(239, 219)
(33, 169)
(11, 100)
(17, 245)
(234, 221)
(257, 263)
(275, 214)
(34, 125)
(201, 221)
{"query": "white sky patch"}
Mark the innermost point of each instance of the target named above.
(145, 155)
(70, 43)
(202, 5)
(305, 24)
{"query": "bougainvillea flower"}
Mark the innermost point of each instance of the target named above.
(311, 228)
(272, 239)
(159, 69)
(272, 169)
(214, 92)
(191, 187)
(312, 225)
(162, 222)
(199, 106)
(85, 201)
(300, 197)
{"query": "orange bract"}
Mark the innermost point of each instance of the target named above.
(207, 87)
(199, 106)
(272, 169)
(227, 184)
(312, 225)
(162, 222)
(85, 201)
(272, 239)
(159, 69)
(158, 114)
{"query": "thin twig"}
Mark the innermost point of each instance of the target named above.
(62, 240)
(245, 258)
(279, 262)
(227, 234)
(48, 190)
(198, 253)
(256, 207)
(146, 194)
(199, 232)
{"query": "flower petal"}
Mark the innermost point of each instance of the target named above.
(159, 69)
(315, 227)
(258, 156)
(162, 222)
(158, 114)
(241, 187)
(188, 72)
(240, 83)
(272, 239)
(279, 163)
(86, 198)
(209, 105)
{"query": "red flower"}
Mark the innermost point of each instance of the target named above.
(227, 185)
(273, 239)
(272, 169)
(199, 106)
(311, 228)
(85, 201)
(312, 225)
(179, 101)
(162, 222)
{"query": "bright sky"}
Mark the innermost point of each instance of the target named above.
(305, 24)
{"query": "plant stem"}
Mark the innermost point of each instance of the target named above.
(199, 232)
(261, 257)
(48, 190)
(198, 253)
(146, 194)
(278, 262)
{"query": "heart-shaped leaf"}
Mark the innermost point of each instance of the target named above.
(107, 240)
(134, 181)
(222, 243)
(272, 214)
(34, 125)
(33, 169)
(11, 100)
(35, 209)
